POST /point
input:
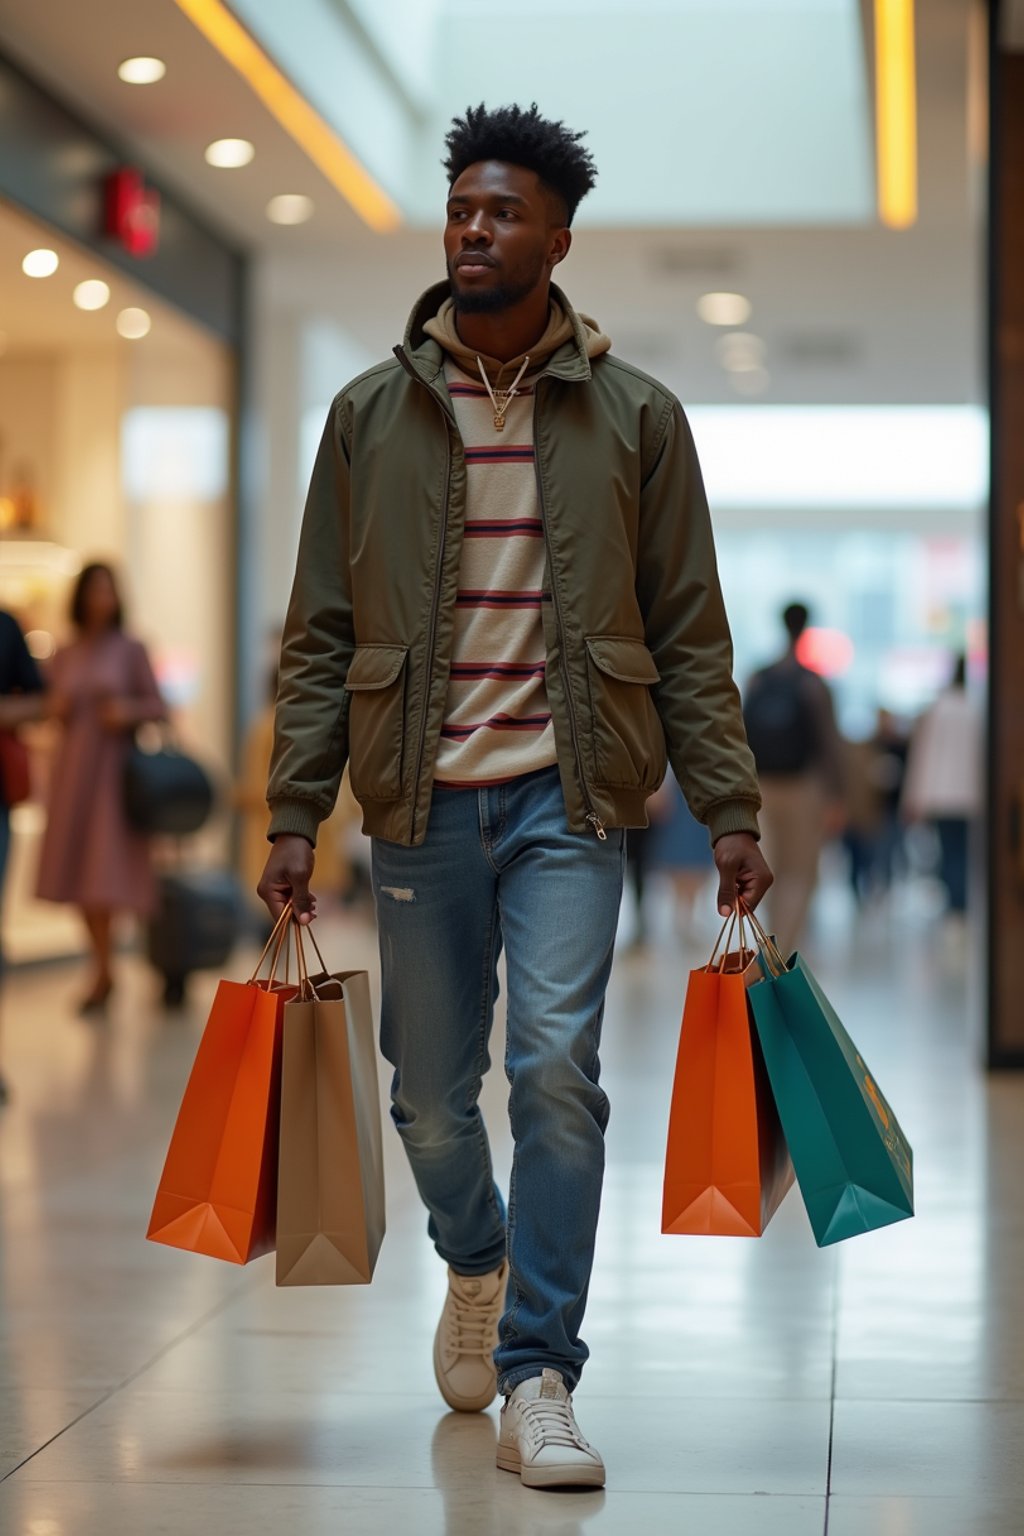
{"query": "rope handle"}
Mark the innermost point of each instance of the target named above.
(736, 917)
(308, 990)
(278, 936)
(766, 944)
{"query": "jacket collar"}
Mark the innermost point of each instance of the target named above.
(427, 356)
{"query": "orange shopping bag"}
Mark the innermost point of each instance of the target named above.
(218, 1191)
(727, 1168)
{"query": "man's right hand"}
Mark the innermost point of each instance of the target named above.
(286, 878)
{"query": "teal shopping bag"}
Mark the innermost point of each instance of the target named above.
(854, 1166)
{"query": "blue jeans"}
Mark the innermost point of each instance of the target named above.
(499, 867)
(953, 859)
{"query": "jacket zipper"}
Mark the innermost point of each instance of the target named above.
(592, 819)
(436, 603)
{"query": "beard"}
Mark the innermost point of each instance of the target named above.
(490, 301)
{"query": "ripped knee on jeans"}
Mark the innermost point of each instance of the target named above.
(403, 893)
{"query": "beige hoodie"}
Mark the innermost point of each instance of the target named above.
(559, 330)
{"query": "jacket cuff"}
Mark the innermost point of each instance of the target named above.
(733, 816)
(295, 818)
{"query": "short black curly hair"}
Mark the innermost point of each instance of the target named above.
(520, 136)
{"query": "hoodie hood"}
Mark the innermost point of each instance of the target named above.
(577, 335)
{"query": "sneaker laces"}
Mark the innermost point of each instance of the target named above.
(551, 1421)
(471, 1325)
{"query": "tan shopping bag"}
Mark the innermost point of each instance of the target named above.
(330, 1189)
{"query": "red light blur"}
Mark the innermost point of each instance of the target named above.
(829, 652)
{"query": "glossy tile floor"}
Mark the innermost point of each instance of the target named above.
(735, 1387)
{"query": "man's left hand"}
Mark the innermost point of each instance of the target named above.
(742, 871)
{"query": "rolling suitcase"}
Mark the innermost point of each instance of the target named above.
(195, 927)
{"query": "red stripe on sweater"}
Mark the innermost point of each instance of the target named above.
(509, 669)
(505, 528)
(496, 723)
(514, 453)
(477, 599)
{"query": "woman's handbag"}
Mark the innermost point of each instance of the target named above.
(166, 792)
(15, 774)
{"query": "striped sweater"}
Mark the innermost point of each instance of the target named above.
(497, 721)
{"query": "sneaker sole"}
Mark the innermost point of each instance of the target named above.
(461, 1404)
(509, 1460)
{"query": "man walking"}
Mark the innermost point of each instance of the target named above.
(506, 608)
(791, 728)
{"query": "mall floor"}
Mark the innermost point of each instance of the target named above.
(738, 1388)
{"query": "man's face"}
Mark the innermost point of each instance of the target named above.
(502, 236)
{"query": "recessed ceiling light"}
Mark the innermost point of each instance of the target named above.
(141, 71)
(750, 381)
(229, 154)
(41, 263)
(94, 293)
(290, 208)
(740, 351)
(133, 324)
(724, 308)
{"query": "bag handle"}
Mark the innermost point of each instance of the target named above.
(308, 989)
(736, 916)
(275, 943)
(766, 944)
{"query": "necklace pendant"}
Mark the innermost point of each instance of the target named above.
(499, 422)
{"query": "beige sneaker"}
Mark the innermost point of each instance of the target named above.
(541, 1440)
(467, 1337)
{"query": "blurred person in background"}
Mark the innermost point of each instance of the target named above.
(792, 731)
(865, 818)
(250, 801)
(892, 744)
(675, 845)
(503, 631)
(682, 851)
(102, 689)
(639, 849)
(943, 781)
(22, 700)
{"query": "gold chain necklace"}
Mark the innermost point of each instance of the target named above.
(501, 399)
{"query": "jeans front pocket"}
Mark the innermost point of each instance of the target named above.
(628, 743)
(376, 721)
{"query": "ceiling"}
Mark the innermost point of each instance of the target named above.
(38, 317)
(848, 314)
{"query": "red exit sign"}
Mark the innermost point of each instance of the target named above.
(131, 211)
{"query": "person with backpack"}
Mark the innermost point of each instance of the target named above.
(792, 732)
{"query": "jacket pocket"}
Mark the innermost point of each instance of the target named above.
(628, 742)
(376, 722)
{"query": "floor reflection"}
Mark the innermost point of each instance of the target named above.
(142, 1388)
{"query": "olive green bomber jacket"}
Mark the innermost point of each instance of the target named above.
(638, 650)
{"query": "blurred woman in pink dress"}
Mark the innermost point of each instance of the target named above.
(102, 689)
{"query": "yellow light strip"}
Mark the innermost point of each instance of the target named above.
(293, 112)
(896, 112)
